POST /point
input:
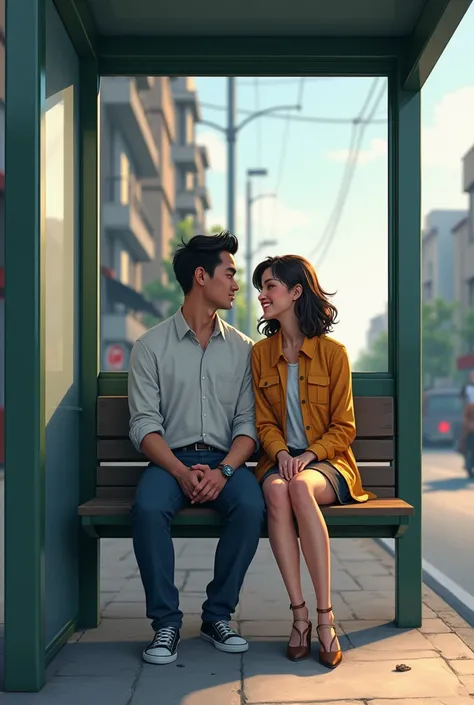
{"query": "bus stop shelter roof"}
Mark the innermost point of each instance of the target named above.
(414, 31)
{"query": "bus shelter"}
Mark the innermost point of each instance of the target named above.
(57, 51)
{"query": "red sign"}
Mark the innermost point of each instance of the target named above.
(115, 357)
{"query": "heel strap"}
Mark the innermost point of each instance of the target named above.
(329, 609)
(298, 607)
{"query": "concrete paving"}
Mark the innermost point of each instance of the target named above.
(104, 665)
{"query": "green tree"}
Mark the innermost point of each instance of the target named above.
(375, 359)
(438, 338)
(467, 330)
(166, 292)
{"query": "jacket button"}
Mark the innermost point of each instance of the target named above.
(303, 401)
(308, 427)
(266, 384)
(301, 377)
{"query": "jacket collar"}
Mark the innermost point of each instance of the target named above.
(308, 348)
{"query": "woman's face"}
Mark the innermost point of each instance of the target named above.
(275, 298)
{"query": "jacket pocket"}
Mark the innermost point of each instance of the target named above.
(318, 389)
(271, 389)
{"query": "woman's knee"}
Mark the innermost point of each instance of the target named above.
(301, 492)
(276, 494)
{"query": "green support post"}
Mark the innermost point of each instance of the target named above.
(405, 171)
(89, 575)
(24, 349)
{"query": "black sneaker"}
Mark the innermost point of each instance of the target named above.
(223, 637)
(164, 647)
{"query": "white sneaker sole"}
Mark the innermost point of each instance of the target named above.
(227, 648)
(159, 660)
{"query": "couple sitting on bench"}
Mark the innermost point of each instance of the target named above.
(201, 398)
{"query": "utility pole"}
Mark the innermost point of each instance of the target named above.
(230, 131)
(250, 200)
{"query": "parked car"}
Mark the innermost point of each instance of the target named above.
(442, 416)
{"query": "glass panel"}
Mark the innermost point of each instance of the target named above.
(322, 144)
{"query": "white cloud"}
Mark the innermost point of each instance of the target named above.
(217, 150)
(451, 135)
(377, 149)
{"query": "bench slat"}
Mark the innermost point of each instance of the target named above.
(383, 507)
(374, 417)
(115, 492)
(128, 475)
(122, 450)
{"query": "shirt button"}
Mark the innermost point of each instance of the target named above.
(203, 434)
(204, 378)
(204, 397)
(206, 415)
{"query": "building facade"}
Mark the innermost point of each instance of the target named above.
(153, 174)
(438, 255)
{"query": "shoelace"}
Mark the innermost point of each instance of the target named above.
(164, 638)
(225, 630)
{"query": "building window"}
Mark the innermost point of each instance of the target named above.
(182, 126)
(124, 267)
(124, 179)
(189, 183)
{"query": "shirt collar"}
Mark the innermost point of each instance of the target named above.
(308, 348)
(182, 327)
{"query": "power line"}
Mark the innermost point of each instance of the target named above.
(358, 129)
(283, 81)
(296, 118)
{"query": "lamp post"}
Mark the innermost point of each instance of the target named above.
(230, 132)
(264, 243)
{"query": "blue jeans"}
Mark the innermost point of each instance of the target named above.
(158, 498)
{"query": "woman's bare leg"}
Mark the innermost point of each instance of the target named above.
(308, 490)
(284, 543)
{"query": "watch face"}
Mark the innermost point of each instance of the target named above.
(227, 470)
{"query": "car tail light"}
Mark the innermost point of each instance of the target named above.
(444, 427)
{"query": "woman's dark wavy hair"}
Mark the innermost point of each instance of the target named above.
(316, 315)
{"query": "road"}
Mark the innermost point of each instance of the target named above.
(448, 517)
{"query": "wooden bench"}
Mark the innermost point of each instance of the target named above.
(119, 467)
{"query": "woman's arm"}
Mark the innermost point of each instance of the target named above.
(342, 428)
(268, 430)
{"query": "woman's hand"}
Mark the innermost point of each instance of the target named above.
(305, 459)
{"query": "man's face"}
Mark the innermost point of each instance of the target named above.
(220, 289)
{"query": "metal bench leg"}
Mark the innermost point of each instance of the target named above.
(408, 580)
(89, 582)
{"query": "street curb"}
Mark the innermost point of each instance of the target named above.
(432, 578)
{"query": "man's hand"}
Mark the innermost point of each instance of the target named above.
(188, 481)
(210, 485)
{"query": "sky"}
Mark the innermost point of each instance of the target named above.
(314, 173)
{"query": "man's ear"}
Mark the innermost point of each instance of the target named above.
(199, 275)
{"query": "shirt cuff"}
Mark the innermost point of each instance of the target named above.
(274, 448)
(138, 433)
(319, 450)
(245, 429)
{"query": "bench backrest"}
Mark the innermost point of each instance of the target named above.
(373, 447)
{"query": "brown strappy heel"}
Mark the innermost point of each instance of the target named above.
(330, 659)
(302, 650)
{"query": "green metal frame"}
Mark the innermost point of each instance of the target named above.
(406, 62)
(89, 582)
(24, 352)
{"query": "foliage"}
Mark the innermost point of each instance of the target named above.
(439, 340)
(376, 359)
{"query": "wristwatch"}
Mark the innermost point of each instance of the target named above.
(226, 470)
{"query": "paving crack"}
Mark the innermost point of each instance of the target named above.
(135, 684)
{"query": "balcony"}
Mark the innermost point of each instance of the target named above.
(185, 93)
(186, 156)
(205, 196)
(186, 203)
(124, 108)
(123, 213)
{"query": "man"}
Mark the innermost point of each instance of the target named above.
(192, 415)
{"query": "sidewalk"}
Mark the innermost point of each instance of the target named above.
(104, 666)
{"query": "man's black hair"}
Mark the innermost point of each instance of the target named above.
(201, 251)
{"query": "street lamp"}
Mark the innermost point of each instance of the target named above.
(249, 254)
(231, 137)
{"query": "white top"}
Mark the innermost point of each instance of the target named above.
(295, 433)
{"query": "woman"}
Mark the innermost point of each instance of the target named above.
(305, 423)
